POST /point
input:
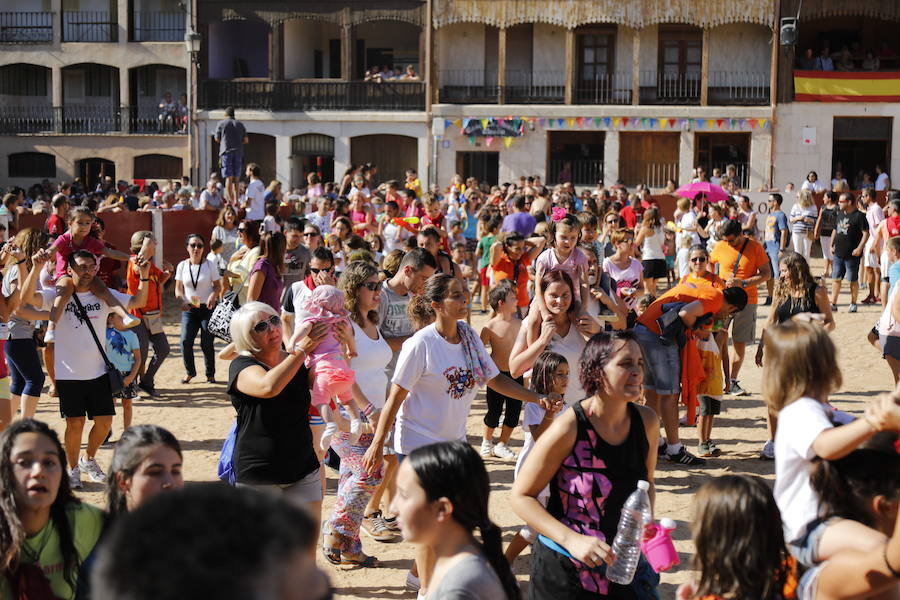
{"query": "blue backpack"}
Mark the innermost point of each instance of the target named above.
(226, 459)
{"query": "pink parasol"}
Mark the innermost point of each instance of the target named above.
(713, 193)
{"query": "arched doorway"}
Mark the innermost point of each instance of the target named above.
(157, 166)
(311, 153)
(392, 154)
(92, 170)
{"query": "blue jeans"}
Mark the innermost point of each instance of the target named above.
(26, 374)
(193, 320)
(772, 251)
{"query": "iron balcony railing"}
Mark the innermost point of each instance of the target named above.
(26, 27)
(582, 171)
(313, 95)
(609, 88)
(87, 119)
(468, 86)
(158, 27)
(670, 87)
(738, 87)
(535, 87)
(90, 26)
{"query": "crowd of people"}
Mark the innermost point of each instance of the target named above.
(350, 343)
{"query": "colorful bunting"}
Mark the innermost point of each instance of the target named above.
(471, 140)
(489, 141)
(507, 141)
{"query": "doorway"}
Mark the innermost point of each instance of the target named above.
(858, 144)
(92, 170)
(392, 154)
(648, 158)
(311, 153)
(575, 157)
(719, 150)
(483, 166)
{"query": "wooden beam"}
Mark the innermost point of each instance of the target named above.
(427, 73)
(704, 69)
(636, 68)
(276, 52)
(346, 45)
(501, 66)
(570, 67)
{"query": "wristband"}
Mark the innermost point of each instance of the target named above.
(142, 279)
(20, 262)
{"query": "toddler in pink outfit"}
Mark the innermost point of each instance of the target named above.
(332, 376)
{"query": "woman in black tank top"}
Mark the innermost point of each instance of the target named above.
(591, 459)
(796, 293)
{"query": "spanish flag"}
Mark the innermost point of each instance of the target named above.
(843, 86)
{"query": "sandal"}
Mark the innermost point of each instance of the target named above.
(363, 561)
(332, 555)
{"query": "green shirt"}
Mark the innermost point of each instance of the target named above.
(86, 522)
(485, 244)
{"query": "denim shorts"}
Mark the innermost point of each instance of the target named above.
(662, 362)
(231, 164)
(845, 268)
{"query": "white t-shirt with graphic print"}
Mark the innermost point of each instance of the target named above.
(441, 389)
(76, 356)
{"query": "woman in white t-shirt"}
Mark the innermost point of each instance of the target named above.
(360, 284)
(813, 184)
(199, 287)
(226, 229)
(439, 371)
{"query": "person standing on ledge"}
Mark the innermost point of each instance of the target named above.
(231, 137)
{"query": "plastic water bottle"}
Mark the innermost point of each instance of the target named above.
(627, 544)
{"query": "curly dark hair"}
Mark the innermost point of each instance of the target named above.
(12, 532)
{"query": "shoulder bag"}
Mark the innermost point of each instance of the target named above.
(220, 321)
(116, 381)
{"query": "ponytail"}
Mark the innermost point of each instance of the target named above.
(492, 548)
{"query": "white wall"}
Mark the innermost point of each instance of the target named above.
(549, 50)
(301, 38)
(649, 47)
(459, 47)
(740, 47)
(794, 159)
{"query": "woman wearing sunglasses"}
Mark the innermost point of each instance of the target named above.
(357, 504)
(270, 390)
(199, 287)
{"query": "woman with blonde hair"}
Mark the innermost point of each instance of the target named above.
(803, 222)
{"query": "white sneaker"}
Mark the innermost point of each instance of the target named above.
(50, 336)
(412, 583)
(75, 478)
(92, 469)
(130, 321)
(501, 450)
(486, 447)
(330, 430)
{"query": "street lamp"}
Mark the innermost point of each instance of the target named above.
(192, 41)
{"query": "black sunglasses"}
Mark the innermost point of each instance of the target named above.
(699, 259)
(263, 326)
(241, 229)
(195, 245)
(372, 286)
(315, 271)
(310, 234)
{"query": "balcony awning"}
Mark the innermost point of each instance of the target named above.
(839, 86)
(888, 10)
(275, 12)
(635, 13)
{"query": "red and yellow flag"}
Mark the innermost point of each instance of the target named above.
(842, 86)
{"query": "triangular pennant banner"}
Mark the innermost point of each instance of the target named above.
(710, 123)
(615, 122)
(720, 122)
(607, 121)
(624, 121)
(447, 123)
(580, 121)
(489, 140)
(570, 122)
(663, 123)
(471, 140)
(507, 141)
(652, 123)
(457, 123)
(542, 122)
(764, 123)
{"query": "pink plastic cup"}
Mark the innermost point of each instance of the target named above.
(659, 550)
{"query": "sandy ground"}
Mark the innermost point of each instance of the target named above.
(199, 414)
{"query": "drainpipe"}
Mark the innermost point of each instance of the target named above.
(429, 88)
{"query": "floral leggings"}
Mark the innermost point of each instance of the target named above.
(355, 487)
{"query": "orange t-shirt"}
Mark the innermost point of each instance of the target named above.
(711, 299)
(154, 292)
(506, 269)
(752, 259)
(706, 279)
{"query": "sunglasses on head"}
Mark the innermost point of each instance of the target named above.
(315, 271)
(372, 286)
(263, 326)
